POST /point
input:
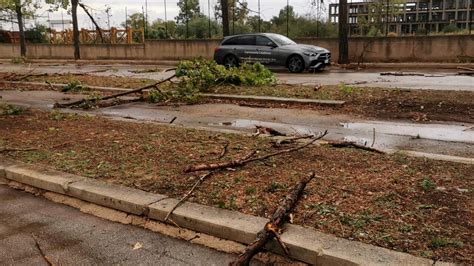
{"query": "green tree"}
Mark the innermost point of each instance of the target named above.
(21, 9)
(198, 28)
(188, 9)
(135, 21)
(160, 29)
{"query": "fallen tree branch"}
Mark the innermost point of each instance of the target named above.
(190, 192)
(93, 21)
(283, 141)
(401, 74)
(18, 149)
(240, 162)
(466, 68)
(350, 144)
(273, 227)
(198, 183)
(46, 258)
(79, 102)
(224, 150)
(32, 148)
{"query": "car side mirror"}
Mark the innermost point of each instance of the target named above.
(271, 44)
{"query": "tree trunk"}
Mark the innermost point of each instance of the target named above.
(19, 15)
(75, 30)
(343, 28)
(225, 17)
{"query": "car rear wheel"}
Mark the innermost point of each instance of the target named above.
(295, 64)
(231, 61)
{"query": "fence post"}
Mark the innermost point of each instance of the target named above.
(129, 35)
(113, 35)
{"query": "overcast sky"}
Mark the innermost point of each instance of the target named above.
(156, 10)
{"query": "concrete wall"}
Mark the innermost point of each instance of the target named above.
(395, 49)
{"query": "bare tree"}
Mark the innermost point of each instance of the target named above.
(75, 30)
(343, 39)
(19, 15)
(225, 17)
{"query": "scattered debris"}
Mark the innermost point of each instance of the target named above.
(317, 87)
(273, 228)
(172, 120)
(267, 131)
(401, 74)
(138, 245)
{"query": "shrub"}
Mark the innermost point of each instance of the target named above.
(450, 28)
(201, 75)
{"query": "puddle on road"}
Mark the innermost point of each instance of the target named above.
(285, 128)
(435, 132)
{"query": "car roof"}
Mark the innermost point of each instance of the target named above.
(248, 34)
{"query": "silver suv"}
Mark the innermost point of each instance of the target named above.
(272, 50)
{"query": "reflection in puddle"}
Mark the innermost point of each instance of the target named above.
(286, 128)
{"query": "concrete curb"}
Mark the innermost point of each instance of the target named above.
(274, 99)
(251, 98)
(305, 244)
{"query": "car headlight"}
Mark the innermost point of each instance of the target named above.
(310, 54)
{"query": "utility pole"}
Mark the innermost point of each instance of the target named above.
(233, 17)
(209, 16)
(225, 17)
(143, 20)
(166, 21)
(146, 18)
(187, 18)
(287, 18)
(107, 11)
(470, 16)
(343, 40)
(386, 18)
(126, 18)
(259, 18)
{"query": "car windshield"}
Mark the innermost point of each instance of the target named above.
(281, 40)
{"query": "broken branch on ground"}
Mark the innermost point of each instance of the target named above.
(242, 162)
(351, 144)
(273, 228)
(139, 90)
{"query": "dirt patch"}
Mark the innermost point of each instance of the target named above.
(418, 206)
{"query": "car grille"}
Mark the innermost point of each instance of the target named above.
(325, 56)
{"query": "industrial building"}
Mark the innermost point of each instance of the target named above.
(406, 17)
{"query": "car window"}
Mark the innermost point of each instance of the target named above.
(282, 40)
(246, 40)
(263, 41)
(231, 41)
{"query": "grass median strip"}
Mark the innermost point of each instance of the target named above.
(407, 204)
(416, 105)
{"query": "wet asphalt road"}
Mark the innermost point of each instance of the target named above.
(74, 238)
(432, 79)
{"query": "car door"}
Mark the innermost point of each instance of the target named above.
(247, 51)
(267, 50)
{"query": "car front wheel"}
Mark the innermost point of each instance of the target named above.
(231, 61)
(296, 64)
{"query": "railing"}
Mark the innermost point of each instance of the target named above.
(112, 36)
